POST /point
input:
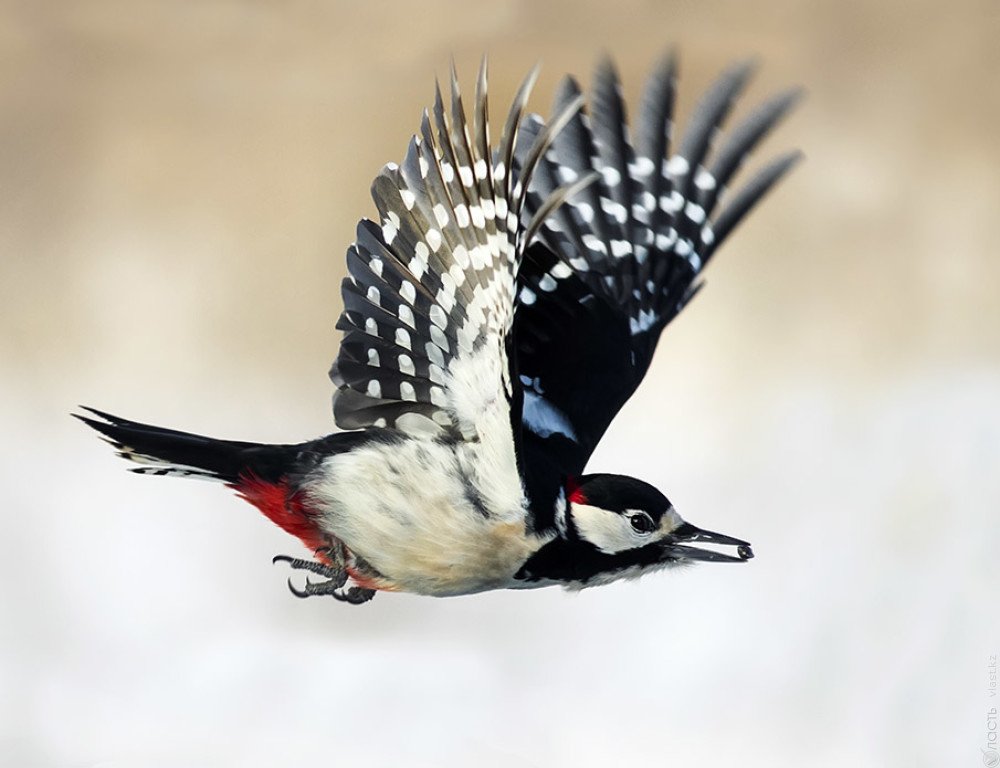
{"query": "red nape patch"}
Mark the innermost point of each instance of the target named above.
(282, 506)
(573, 492)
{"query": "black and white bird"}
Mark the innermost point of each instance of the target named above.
(498, 314)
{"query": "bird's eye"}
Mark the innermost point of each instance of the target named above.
(642, 523)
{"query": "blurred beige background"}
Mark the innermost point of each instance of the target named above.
(179, 184)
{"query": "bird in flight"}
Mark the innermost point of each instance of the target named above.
(497, 315)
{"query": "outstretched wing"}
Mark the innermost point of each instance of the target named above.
(610, 268)
(429, 301)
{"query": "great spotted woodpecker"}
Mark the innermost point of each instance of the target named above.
(496, 318)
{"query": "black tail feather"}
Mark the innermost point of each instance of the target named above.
(171, 452)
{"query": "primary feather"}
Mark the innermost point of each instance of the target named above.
(429, 303)
(614, 265)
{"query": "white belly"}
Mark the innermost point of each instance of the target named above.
(432, 518)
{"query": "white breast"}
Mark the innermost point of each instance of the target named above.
(432, 517)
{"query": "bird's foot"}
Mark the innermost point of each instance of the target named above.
(336, 578)
(354, 595)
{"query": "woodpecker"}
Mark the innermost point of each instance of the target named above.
(497, 315)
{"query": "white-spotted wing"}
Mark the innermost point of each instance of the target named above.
(610, 268)
(429, 302)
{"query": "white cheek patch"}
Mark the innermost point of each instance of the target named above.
(609, 531)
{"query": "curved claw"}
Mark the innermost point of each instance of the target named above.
(296, 592)
(336, 578)
(354, 595)
(298, 564)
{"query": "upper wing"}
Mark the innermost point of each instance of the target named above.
(610, 268)
(429, 302)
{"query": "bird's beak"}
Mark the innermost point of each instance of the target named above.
(690, 533)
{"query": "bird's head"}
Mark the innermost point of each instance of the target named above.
(614, 526)
(619, 514)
